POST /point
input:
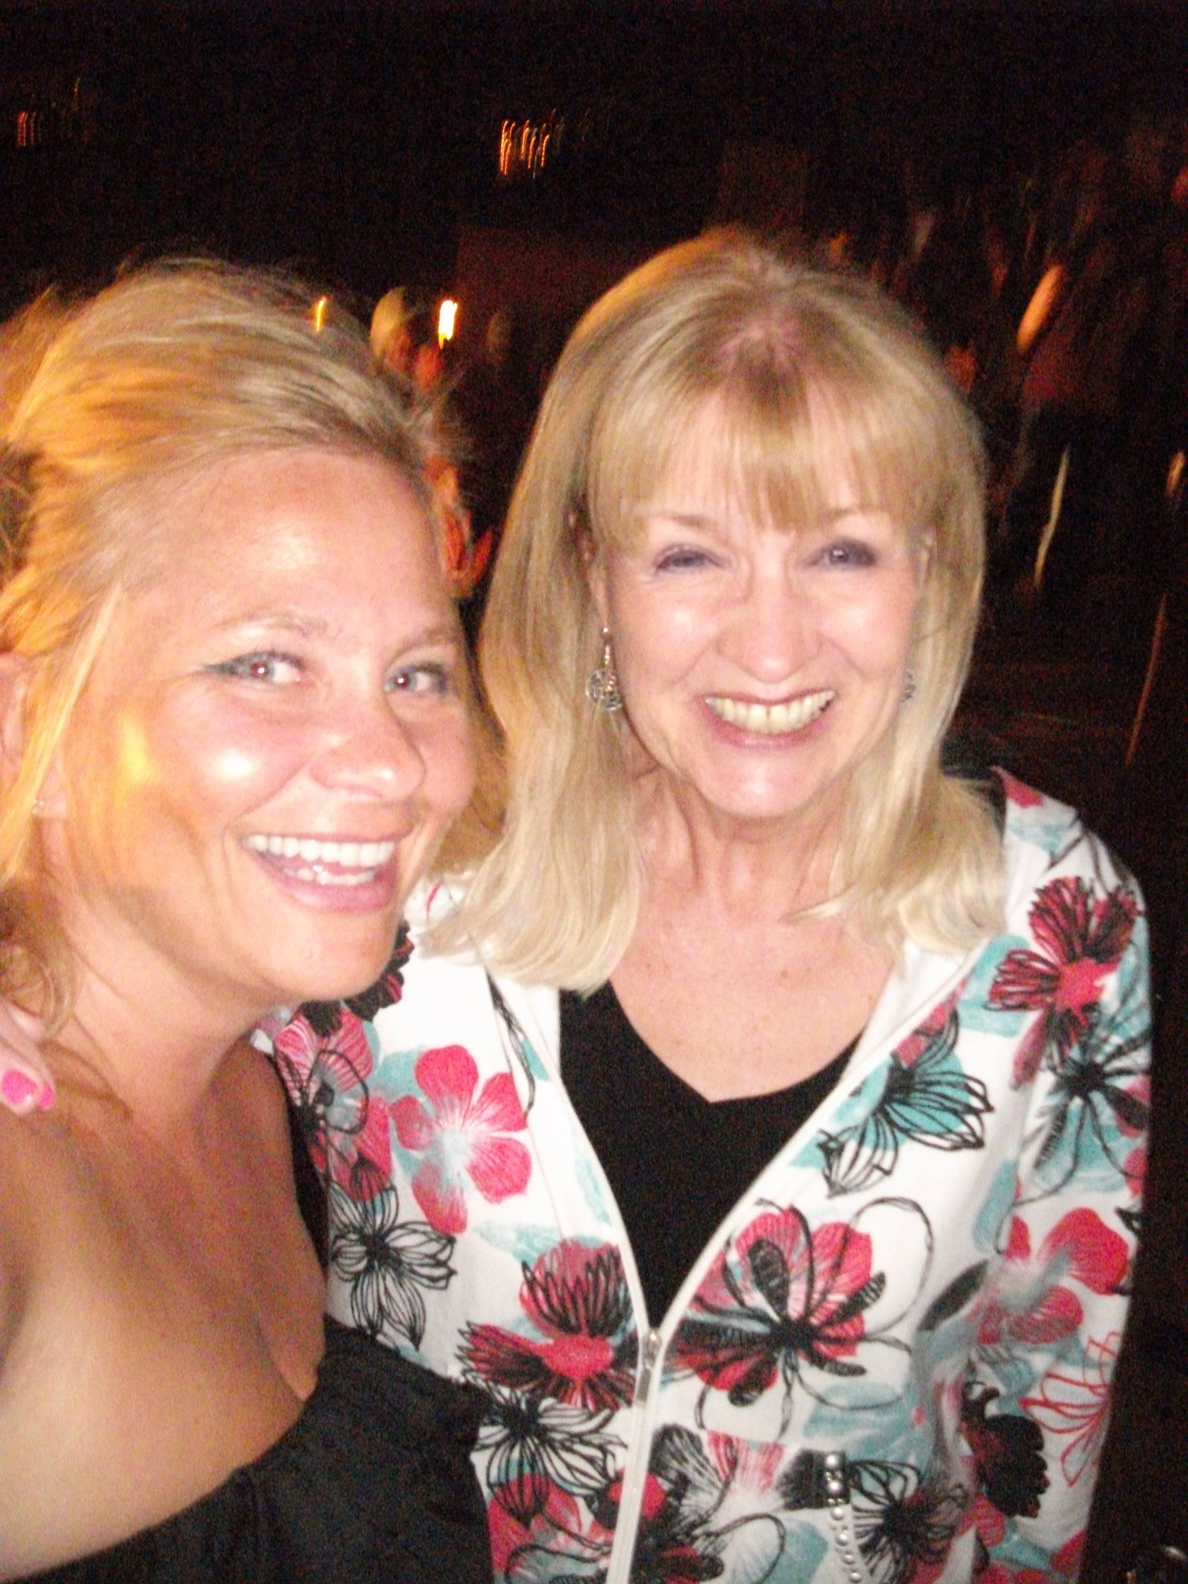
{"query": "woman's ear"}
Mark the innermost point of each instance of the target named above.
(596, 578)
(593, 558)
(15, 674)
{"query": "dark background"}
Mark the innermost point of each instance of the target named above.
(352, 140)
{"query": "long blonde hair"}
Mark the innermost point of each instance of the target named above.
(774, 344)
(172, 369)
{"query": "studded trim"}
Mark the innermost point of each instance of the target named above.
(837, 1500)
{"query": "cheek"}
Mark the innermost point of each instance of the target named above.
(876, 627)
(191, 772)
(220, 759)
(658, 638)
(450, 761)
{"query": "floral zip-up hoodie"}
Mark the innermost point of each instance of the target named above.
(891, 1364)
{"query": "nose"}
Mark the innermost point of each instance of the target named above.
(371, 752)
(770, 633)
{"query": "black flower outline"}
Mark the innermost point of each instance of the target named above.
(386, 1262)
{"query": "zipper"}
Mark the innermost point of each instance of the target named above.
(637, 1456)
(651, 1352)
(639, 1448)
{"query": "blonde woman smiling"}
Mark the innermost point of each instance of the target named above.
(234, 729)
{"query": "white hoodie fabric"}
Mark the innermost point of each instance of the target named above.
(892, 1361)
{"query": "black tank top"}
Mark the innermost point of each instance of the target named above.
(676, 1162)
(373, 1484)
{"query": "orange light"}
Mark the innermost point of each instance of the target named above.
(447, 317)
(319, 313)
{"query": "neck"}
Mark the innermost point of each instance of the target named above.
(147, 1035)
(763, 870)
(159, 1071)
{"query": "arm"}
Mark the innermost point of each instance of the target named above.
(1051, 1317)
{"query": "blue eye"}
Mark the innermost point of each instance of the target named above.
(263, 666)
(429, 677)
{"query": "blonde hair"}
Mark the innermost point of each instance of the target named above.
(102, 405)
(783, 350)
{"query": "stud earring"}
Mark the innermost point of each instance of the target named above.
(910, 687)
(602, 686)
(40, 808)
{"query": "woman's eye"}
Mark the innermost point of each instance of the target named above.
(682, 559)
(262, 667)
(427, 677)
(847, 553)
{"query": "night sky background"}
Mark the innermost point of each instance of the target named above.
(352, 140)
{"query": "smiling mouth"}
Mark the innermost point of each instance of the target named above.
(772, 720)
(326, 863)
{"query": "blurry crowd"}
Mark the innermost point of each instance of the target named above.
(1059, 299)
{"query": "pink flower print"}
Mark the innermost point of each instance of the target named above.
(563, 1529)
(1068, 1559)
(997, 1573)
(1078, 1406)
(460, 1135)
(583, 1346)
(925, 1036)
(750, 1466)
(344, 1125)
(786, 1303)
(1030, 1304)
(1018, 792)
(1135, 1168)
(1079, 940)
(987, 1520)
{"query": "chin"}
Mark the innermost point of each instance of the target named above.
(334, 975)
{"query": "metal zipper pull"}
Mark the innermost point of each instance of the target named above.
(651, 1352)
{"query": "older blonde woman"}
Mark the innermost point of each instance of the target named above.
(234, 729)
(775, 1099)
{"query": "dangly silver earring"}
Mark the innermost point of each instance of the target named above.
(910, 687)
(602, 687)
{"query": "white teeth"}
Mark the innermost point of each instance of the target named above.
(772, 720)
(320, 877)
(364, 858)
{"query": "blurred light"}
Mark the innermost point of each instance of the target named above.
(446, 319)
(1175, 476)
(526, 146)
(319, 313)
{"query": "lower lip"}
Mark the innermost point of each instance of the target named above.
(377, 894)
(740, 737)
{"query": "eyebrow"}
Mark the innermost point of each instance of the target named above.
(310, 626)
